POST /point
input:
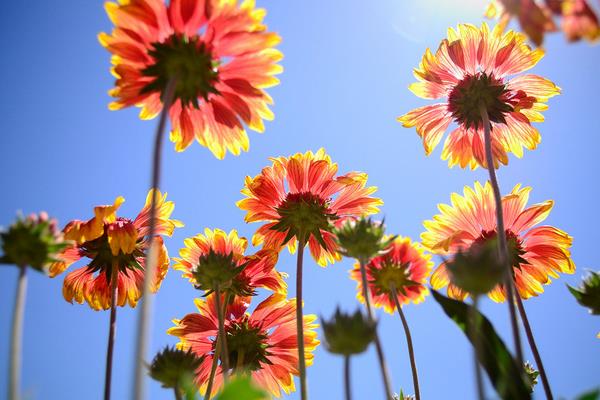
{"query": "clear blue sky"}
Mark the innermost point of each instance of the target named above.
(347, 68)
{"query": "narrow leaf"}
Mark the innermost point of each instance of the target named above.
(504, 372)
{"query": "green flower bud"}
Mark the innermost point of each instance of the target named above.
(477, 270)
(216, 269)
(532, 375)
(34, 241)
(174, 368)
(348, 334)
(403, 396)
(362, 239)
(588, 294)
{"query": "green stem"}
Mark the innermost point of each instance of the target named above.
(378, 348)
(300, 322)
(502, 245)
(347, 377)
(409, 343)
(221, 316)
(213, 368)
(111, 333)
(14, 380)
(177, 393)
(534, 349)
(144, 321)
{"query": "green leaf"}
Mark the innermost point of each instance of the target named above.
(592, 395)
(504, 372)
(241, 388)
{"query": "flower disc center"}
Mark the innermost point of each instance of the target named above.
(391, 273)
(514, 243)
(474, 91)
(189, 62)
(304, 214)
(247, 346)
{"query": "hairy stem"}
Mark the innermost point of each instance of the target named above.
(534, 350)
(144, 321)
(409, 343)
(213, 368)
(502, 245)
(300, 321)
(221, 316)
(111, 333)
(380, 357)
(347, 385)
(16, 337)
(474, 328)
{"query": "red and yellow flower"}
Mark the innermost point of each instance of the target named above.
(219, 55)
(471, 71)
(298, 198)
(114, 245)
(537, 253)
(579, 21)
(405, 265)
(217, 250)
(263, 343)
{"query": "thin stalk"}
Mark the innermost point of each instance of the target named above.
(239, 366)
(534, 349)
(300, 321)
(177, 393)
(381, 358)
(347, 377)
(221, 318)
(16, 338)
(409, 343)
(111, 333)
(213, 368)
(502, 245)
(144, 321)
(474, 327)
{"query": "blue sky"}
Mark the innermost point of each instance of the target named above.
(347, 68)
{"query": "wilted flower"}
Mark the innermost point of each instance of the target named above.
(115, 245)
(588, 294)
(299, 197)
(174, 368)
(476, 270)
(348, 334)
(34, 241)
(361, 238)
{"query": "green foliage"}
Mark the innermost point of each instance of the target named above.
(504, 372)
(532, 374)
(588, 294)
(241, 388)
(591, 395)
(348, 334)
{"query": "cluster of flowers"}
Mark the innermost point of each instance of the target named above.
(206, 64)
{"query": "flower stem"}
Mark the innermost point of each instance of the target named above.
(111, 333)
(14, 380)
(177, 393)
(474, 327)
(300, 321)
(347, 377)
(409, 343)
(221, 317)
(534, 350)
(143, 329)
(503, 248)
(239, 367)
(380, 356)
(213, 368)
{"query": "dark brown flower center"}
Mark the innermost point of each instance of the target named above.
(479, 90)
(187, 60)
(304, 214)
(247, 345)
(514, 243)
